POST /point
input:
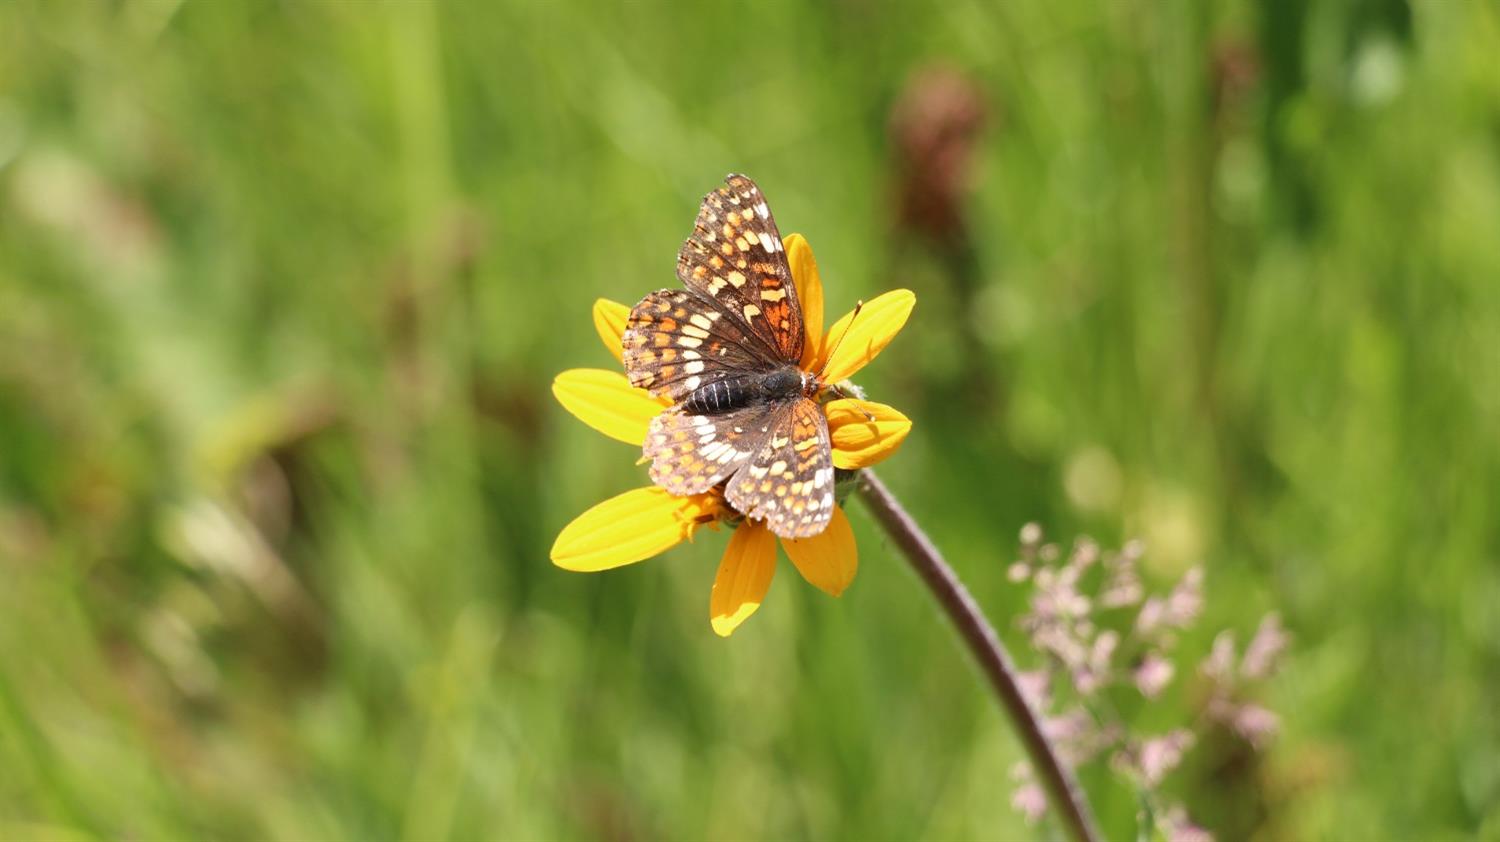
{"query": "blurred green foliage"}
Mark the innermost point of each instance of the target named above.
(283, 285)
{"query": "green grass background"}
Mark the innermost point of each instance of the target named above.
(283, 287)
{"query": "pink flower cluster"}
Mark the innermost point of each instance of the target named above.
(1096, 627)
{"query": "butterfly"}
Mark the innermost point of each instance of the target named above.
(725, 350)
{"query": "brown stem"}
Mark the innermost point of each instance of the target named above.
(1062, 790)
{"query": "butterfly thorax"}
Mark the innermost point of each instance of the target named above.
(740, 391)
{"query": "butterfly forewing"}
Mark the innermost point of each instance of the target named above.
(789, 480)
(676, 341)
(735, 257)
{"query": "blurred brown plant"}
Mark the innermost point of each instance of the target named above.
(934, 127)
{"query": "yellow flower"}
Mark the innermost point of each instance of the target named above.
(643, 522)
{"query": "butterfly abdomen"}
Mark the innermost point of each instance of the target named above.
(718, 397)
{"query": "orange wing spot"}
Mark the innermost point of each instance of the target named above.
(669, 325)
(739, 243)
(668, 354)
(661, 340)
(728, 248)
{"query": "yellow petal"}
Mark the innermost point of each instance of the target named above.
(827, 560)
(606, 401)
(609, 320)
(744, 577)
(799, 256)
(878, 323)
(864, 432)
(628, 528)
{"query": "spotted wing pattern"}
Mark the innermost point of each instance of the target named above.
(738, 316)
(692, 453)
(789, 480)
(677, 340)
(736, 258)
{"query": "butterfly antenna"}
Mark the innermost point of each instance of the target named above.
(835, 388)
(858, 305)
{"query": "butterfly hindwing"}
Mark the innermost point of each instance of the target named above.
(736, 258)
(789, 480)
(692, 453)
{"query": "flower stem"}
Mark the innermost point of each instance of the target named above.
(1062, 789)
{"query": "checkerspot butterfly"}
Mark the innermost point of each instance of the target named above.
(726, 350)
